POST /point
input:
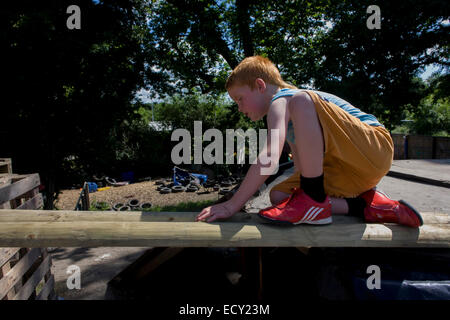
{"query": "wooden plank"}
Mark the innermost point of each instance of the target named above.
(32, 204)
(18, 188)
(47, 289)
(95, 216)
(19, 255)
(30, 286)
(5, 165)
(9, 293)
(15, 274)
(142, 216)
(221, 234)
(5, 205)
(5, 181)
(6, 254)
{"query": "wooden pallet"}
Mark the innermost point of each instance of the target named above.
(20, 191)
(5, 166)
(25, 273)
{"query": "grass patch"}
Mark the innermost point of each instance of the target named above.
(99, 206)
(184, 206)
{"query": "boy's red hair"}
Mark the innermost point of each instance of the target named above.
(255, 67)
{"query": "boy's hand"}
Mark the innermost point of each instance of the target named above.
(218, 211)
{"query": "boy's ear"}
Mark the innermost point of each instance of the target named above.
(260, 84)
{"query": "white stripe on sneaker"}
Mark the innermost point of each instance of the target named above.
(315, 215)
(309, 213)
(311, 210)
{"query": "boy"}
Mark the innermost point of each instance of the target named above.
(339, 152)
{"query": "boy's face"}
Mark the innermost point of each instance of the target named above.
(250, 102)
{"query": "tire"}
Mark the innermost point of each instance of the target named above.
(209, 184)
(125, 208)
(216, 187)
(133, 203)
(159, 182)
(117, 206)
(191, 188)
(225, 183)
(224, 191)
(178, 189)
(195, 184)
(145, 206)
(158, 188)
(165, 190)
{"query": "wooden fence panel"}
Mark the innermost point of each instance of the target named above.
(399, 148)
(420, 147)
(442, 148)
(23, 269)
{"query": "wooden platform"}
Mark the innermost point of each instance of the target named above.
(39, 228)
(25, 273)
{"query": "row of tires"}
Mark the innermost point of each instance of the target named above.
(190, 188)
(133, 204)
(169, 189)
(228, 182)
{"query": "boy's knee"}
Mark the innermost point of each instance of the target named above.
(277, 196)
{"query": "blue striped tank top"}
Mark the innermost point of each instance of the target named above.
(341, 103)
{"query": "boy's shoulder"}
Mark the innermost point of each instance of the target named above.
(284, 93)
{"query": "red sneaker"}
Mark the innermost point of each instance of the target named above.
(380, 208)
(299, 208)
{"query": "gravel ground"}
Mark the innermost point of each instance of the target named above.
(143, 191)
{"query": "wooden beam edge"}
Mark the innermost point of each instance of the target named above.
(224, 234)
(17, 215)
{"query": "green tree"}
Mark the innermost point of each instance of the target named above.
(67, 89)
(432, 114)
(322, 44)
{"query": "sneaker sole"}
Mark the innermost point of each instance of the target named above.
(413, 210)
(321, 221)
(287, 223)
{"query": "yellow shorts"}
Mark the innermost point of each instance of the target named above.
(357, 156)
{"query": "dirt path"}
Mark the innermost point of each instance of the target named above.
(143, 191)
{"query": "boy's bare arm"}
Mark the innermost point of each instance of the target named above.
(277, 118)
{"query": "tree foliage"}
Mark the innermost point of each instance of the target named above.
(432, 114)
(321, 44)
(66, 89)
